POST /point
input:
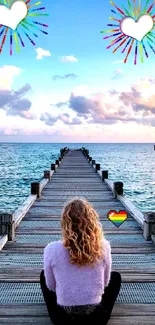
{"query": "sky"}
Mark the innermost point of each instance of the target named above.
(69, 88)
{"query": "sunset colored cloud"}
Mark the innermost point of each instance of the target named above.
(13, 103)
(86, 112)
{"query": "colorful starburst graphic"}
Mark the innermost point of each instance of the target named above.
(125, 43)
(27, 30)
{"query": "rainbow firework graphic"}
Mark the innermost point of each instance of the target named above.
(117, 218)
(127, 44)
(27, 29)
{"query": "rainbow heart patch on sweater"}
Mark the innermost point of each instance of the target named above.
(117, 218)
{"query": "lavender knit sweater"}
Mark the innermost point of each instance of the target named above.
(73, 285)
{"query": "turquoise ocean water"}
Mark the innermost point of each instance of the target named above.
(23, 163)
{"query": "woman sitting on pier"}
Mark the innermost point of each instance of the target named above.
(77, 282)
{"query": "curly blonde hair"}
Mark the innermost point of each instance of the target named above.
(82, 232)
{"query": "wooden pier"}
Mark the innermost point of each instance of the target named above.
(25, 233)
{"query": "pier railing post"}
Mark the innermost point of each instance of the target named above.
(57, 162)
(63, 151)
(118, 188)
(104, 174)
(90, 159)
(85, 152)
(149, 225)
(7, 226)
(93, 162)
(36, 189)
(53, 167)
(97, 167)
(47, 174)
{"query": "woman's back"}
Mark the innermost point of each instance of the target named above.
(75, 285)
(78, 269)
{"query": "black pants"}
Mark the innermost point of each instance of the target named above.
(100, 315)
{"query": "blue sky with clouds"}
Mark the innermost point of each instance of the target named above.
(103, 97)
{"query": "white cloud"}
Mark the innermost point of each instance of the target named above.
(7, 74)
(41, 53)
(118, 62)
(69, 58)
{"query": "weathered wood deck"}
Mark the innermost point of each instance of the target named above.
(21, 260)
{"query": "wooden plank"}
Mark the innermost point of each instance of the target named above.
(77, 176)
(51, 198)
(45, 320)
(43, 230)
(54, 216)
(60, 199)
(101, 205)
(70, 164)
(41, 310)
(74, 192)
(49, 211)
(34, 278)
(18, 248)
(83, 169)
(77, 179)
(114, 320)
(31, 274)
(57, 218)
(133, 277)
(130, 320)
(99, 202)
(116, 248)
(14, 273)
(86, 183)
